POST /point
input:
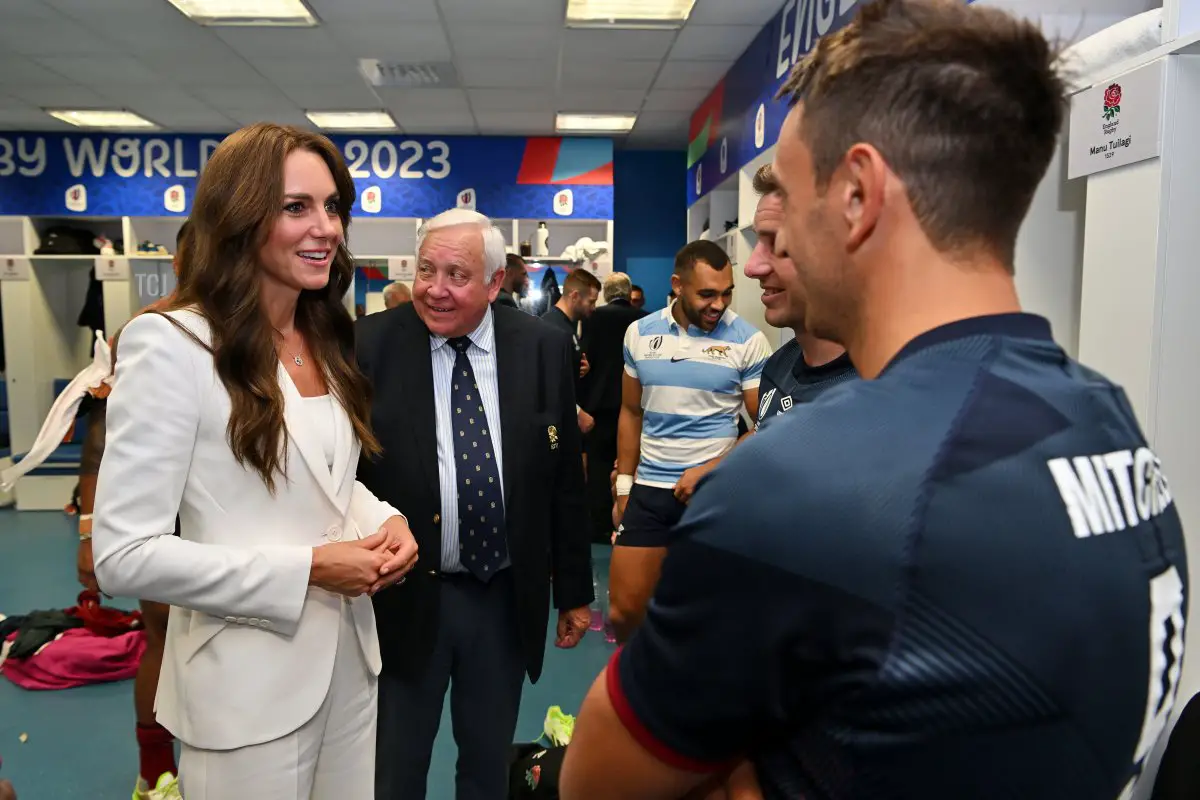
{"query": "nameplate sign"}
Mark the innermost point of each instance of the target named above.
(1117, 122)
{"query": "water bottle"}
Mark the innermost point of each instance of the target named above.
(610, 635)
(597, 620)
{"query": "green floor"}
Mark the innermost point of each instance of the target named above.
(81, 741)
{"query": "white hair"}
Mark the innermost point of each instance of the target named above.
(617, 285)
(493, 238)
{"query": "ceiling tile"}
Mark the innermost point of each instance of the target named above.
(287, 43)
(34, 119)
(508, 11)
(435, 121)
(660, 120)
(266, 99)
(511, 99)
(756, 13)
(617, 44)
(677, 100)
(18, 71)
(485, 74)
(713, 42)
(175, 35)
(9, 102)
(690, 74)
(424, 99)
(500, 41)
(323, 73)
(436, 128)
(195, 118)
(514, 119)
(77, 7)
(409, 42)
(367, 11)
(99, 71)
(14, 12)
(50, 38)
(333, 98)
(249, 116)
(159, 97)
(579, 74)
(186, 70)
(600, 100)
(69, 96)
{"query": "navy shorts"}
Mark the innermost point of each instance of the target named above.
(650, 517)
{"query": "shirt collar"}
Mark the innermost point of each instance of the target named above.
(1017, 325)
(673, 324)
(483, 337)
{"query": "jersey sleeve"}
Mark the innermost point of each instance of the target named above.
(757, 351)
(752, 629)
(629, 349)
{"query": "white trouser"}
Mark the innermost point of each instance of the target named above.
(332, 757)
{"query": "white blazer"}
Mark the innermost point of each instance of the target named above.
(250, 645)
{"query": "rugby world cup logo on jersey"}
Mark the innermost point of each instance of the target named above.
(653, 347)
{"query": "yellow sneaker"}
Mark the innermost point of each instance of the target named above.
(167, 788)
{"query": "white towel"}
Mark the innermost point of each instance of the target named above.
(62, 413)
(1090, 59)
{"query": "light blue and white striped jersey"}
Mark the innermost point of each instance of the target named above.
(692, 385)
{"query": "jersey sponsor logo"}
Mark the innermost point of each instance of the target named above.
(1111, 491)
(785, 404)
(715, 352)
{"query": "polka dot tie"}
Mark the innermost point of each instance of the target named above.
(481, 533)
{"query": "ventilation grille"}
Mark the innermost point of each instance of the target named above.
(412, 76)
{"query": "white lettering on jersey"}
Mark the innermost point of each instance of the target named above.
(1111, 492)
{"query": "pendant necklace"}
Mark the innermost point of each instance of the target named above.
(295, 356)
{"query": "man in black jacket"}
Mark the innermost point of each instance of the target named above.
(600, 394)
(474, 405)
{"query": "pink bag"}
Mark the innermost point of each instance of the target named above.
(78, 658)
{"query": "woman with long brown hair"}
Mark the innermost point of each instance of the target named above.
(239, 407)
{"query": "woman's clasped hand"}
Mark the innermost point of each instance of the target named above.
(366, 566)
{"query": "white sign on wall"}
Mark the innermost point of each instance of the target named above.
(109, 268)
(402, 268)
(14, 269)
(1116, 123)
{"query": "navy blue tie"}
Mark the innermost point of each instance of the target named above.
(481, 533)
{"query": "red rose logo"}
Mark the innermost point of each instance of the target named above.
(1112, 101)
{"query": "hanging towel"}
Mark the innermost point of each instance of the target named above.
(62, 414)
(1089, 60)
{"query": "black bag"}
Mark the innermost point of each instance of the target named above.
(534, 771)
(63, 240)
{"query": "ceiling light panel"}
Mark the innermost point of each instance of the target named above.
(594, 123)
(352, 120)
(98, 118)
(635, 13)
(247, 12)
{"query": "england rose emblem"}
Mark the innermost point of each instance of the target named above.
(1112, 101)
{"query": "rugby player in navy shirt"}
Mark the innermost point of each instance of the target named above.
(806, 367)
(960, 577)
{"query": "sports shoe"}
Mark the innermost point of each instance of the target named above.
(559, 727)
(167, 788)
